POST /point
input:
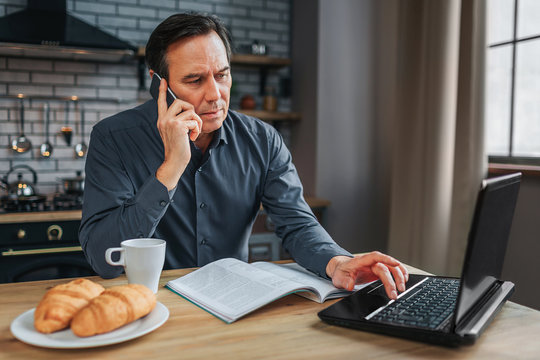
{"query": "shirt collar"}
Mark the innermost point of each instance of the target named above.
(223, 133)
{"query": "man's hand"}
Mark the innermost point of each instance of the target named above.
(174, 125)
(347, 272)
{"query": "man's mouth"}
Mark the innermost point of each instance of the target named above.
(211, 112)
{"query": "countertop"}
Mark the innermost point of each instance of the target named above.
(285, 329)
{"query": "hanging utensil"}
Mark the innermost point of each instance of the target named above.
(46, 148)
(81, 148)
(67, 131)
(21, 144)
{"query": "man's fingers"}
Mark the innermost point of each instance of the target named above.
(376, 257)
(399, 278)
(404, 271)
(162, 98)
(195, 127)
(343, 281)
(179, 105)
(384, 274)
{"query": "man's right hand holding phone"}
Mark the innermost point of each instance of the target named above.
(176, 124)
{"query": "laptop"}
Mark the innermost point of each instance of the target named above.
(444, 310)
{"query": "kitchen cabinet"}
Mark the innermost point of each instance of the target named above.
(41, 245)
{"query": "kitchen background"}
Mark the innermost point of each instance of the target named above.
(110, 87)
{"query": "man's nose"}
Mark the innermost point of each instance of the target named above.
(212, 90)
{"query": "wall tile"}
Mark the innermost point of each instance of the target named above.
(231, 10)
(264, 14)
(250, 3)
(67, 91)
(247, 23)
(168, 4)
(29, 64)
(94, 80)
(122, 94)
(14, 76)
(29, 90)
(92, 7)
(52, 78)
(75, 67)
(137, 11)
(196, 6)
(116, 21)
(118, 69)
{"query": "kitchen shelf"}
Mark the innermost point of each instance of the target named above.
(272, 116)
(259, 60)
(263, 62)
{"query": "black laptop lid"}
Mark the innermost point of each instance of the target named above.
(487, 239)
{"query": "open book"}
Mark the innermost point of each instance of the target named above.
(230, 288)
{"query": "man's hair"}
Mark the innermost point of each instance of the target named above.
(180, 26)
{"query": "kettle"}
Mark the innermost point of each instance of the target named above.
(19, 188)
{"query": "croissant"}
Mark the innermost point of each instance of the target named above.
(58, 306)
(115, 307)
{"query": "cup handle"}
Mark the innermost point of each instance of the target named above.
(109, 260)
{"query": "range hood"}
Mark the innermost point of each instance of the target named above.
(45, 30)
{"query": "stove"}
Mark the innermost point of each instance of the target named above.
(39, 238)
(67, 202)
(36, 203)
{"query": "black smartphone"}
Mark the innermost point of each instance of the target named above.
(154, 90)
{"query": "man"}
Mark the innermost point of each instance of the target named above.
(195, 173)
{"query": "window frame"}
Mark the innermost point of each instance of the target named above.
(510, 158)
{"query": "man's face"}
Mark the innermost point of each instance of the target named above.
(199, 73)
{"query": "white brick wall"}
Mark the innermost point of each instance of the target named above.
(132, 20)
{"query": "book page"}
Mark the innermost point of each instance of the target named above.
(294, 272)
(230, 288)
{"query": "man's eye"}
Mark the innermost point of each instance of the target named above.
(196, 81)
(222, 76)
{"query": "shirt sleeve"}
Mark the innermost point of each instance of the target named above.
(113, 208)
(302, 235)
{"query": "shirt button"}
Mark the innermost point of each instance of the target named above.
(203, 242)
(203, 205)
(162, 203)
(199, 169)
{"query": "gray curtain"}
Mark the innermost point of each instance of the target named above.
(430, 108)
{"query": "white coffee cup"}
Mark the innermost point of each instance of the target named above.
(142, 260)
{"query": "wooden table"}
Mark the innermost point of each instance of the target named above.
(286, 329)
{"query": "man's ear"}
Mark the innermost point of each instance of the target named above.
(151, 72)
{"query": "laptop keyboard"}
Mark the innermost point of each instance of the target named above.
(428, 305)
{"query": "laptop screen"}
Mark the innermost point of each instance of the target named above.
(487, 239)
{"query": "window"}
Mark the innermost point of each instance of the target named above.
(513, 81)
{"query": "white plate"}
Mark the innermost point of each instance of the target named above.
(23, 329)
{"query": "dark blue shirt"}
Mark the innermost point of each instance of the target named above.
(209, 215)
